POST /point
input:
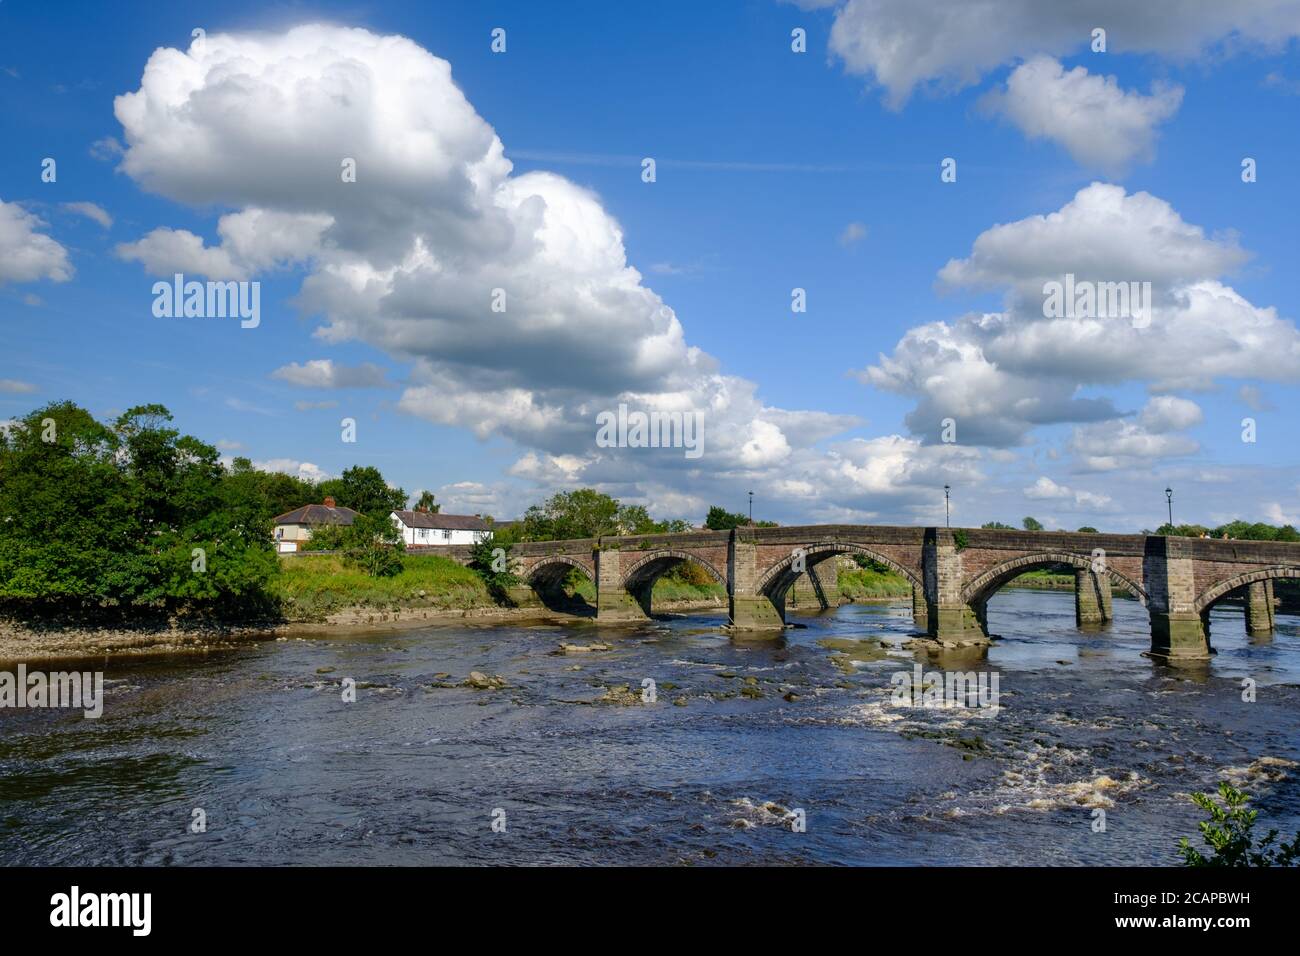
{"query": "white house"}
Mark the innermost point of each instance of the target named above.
(294, 528)
(422, 529)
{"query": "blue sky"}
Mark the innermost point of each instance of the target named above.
(764, 158)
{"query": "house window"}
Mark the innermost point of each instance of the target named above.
(446, 536)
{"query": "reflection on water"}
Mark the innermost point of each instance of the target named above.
(411, 773)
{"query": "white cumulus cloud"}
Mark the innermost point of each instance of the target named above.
(1100, 124)
(949, 44)
(999, 375)
(510, 296)
(26, 254)
(325, 373)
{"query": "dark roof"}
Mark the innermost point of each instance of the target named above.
(426, 519)
(317, 514)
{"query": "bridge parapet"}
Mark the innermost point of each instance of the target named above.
(1075, 541)
(681, 540)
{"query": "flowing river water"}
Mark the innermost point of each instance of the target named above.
(417, 769)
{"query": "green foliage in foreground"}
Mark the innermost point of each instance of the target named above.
(128, 516)
(1228, 833)
(132, 519)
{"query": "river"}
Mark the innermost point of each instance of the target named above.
(413, 772)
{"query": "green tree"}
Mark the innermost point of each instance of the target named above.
(1031, 524)
(584, 513)
(1228, 833)
(491, 560)
(328, 537)
(95, 518)
(262, 495)
(363, 489)
(996, 526)
(373, 544)
(587, 513)
(1088, 529)
(67, 529)
(427, 503)
(720, 519)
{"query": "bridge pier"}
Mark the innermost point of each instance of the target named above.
(749, 609)
(820, 584)
(920, 617)
(1259, 609)
(522, 595)
(948, 617)
(613, 603)
(1092, 598)
(1180, 632)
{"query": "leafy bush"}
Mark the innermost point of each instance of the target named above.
(494, 568)
(327, 537)
(692, 573)
(373, 544)
(1228, 833)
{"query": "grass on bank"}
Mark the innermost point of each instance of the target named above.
(311, 587)
(869, 584)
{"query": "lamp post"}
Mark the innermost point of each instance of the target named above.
(751, 507)
(1169, 499)
(947, 523)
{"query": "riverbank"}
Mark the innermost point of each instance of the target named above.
(318, 596)
(20, 643)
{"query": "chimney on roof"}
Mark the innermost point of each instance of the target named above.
(421, 509)
(329, 502)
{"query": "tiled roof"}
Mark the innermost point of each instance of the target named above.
(426, 519)
(317, 514)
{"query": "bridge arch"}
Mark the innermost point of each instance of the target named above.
(552, 570)
(778, 578)
(547, 578)
(983, 586)
(648, 569)
(1216, 592)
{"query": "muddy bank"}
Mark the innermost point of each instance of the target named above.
(61, 644)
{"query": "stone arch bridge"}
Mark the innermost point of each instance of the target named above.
(953, 573)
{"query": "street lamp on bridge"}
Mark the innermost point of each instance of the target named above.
(947, 522)
(751, 507)
(1169, 499)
